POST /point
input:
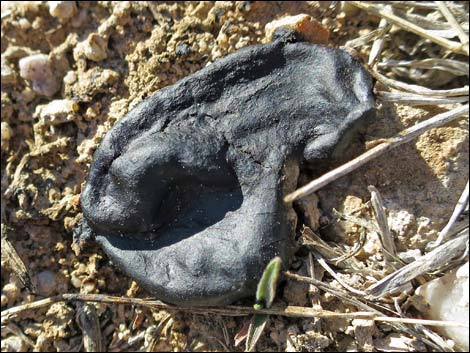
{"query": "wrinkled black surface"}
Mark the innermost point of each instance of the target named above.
(184, 193)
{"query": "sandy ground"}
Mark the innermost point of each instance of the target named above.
(149, 46)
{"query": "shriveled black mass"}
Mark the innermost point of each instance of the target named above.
(185, 192)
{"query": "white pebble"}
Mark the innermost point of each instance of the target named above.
(37, 69)
(70, 78)
(24, 24)
(11, 291)
(63, 10)
(94, 47)
(56, 108)
(4, 299)
(447, 299)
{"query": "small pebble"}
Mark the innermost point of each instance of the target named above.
(13, 344)
(94, 47)
(37, 69)
(70, 78)
(11, 291)
(24, 24)
(76, 282)
(306, 25)
(8, 75)
(4, 300)
(46, 282)
(62, 10)
(57, 111)
(27, 95)
(446, 298)
(7, 134)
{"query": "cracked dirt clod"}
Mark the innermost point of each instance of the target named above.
(185, 192)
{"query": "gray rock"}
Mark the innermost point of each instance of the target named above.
(185, 192)
(46, 283)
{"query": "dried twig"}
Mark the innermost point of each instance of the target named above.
(290, 311)
(411, 27)
(411, 4)
(430, 24)
(313, 292)
(355, 250)
(453, 22)
(337, 277)
(403, 137)
(459, 208)
(231, 310)
(429, 262)
(391, 83)
(416, 99)
(151, 345)
(334, 255)
(378, 44)
(363, 40)
(455, 67)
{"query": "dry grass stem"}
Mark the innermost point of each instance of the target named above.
(361, 41)
(455, 67)
(415, 99)
(337, 276)
(462, 203)
(411, 27)
(403, 137)
(432, 261)
(453, 22)
(378, 44)
(291, 311)
(391, 83)
(385, 234)
(429, 22)
(334, 255)
(231, 310)
(411, 4)
(355, 250)
(406, 320)
(363, 306)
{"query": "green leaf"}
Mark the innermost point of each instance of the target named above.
(267, 285)
(257, 325)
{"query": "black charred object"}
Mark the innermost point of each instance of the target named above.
(185, 193)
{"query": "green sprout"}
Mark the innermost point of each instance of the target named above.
(265, 294)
